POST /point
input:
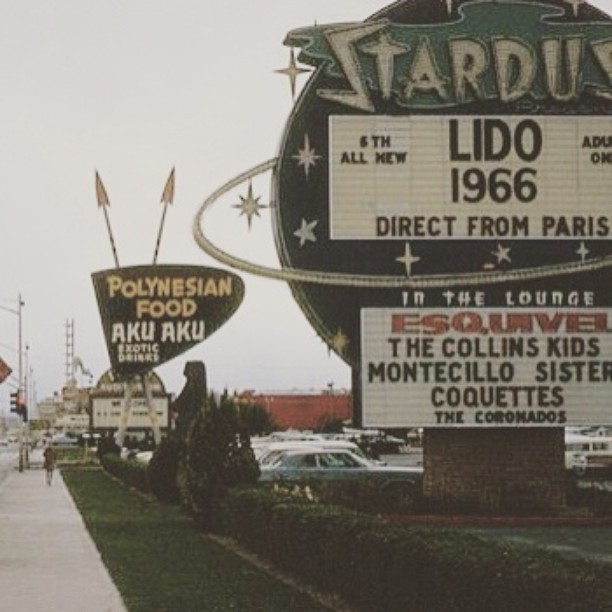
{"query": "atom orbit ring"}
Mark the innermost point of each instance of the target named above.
(366, 280)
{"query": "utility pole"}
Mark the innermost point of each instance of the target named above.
(23, 459)
(20, 343)
(20, 385)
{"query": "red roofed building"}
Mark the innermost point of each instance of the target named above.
(302, 410)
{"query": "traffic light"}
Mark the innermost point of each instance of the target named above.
(18, 405)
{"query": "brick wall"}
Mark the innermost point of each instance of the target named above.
(521, 471)
(302, 411)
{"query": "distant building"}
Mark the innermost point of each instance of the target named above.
(302, 410)
(76, 423)
(66, 411)
(107, 399)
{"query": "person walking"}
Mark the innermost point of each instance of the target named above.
(49, 462)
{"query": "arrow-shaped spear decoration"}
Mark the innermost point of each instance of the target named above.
(103, 202)
(167, 198)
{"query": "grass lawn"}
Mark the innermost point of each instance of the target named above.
(161, 562)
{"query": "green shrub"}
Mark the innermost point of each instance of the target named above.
(330, 424)
(216, 457)
(255, 419)
(371, 495)
(108, 446)
(163, 469)
(591, 495)
(72, 454)
(379, 566)
(133, 473)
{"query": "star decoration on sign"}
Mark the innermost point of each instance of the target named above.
(339, 342)
(292, 71)
(408, 259)
(306, 156)
(249, 206)
(582, 251)
(502, 254)
(385, 51)
(306, 232)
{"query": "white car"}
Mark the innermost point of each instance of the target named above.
(143, 456)
(260, 444)
(63, 440)
(276, 449)
(585, 452)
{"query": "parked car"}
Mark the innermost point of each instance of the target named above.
(259, 444)
(311, 465)
(143, 456)
(585, 453)
(63, 440)
(273, 451)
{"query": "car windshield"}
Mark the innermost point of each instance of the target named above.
(270, 457)
(337, 460)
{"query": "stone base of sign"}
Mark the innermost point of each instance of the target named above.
(495, 471)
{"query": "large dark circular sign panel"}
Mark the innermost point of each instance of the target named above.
(466, 147)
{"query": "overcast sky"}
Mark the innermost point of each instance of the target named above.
(132, 89)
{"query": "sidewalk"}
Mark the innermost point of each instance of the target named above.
(48, 562)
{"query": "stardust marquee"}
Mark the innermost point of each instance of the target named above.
(488, 366)
(485, 177)
(466, 148)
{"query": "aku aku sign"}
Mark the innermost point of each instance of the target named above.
(151, 314)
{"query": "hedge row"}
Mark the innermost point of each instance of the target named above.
(591, 494)
(377, 566)
(71, 455)
(132, 472)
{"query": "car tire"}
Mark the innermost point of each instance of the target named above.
(399, 496)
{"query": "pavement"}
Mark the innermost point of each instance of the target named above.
(48, 561)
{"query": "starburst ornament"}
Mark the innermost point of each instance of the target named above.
(306, 156)
(249, 206)
(582, 252)
(292, 71)
(339, 342)
(408, 259)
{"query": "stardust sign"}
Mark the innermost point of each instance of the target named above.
(454, 159)
(462, 367)
(151, 314)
